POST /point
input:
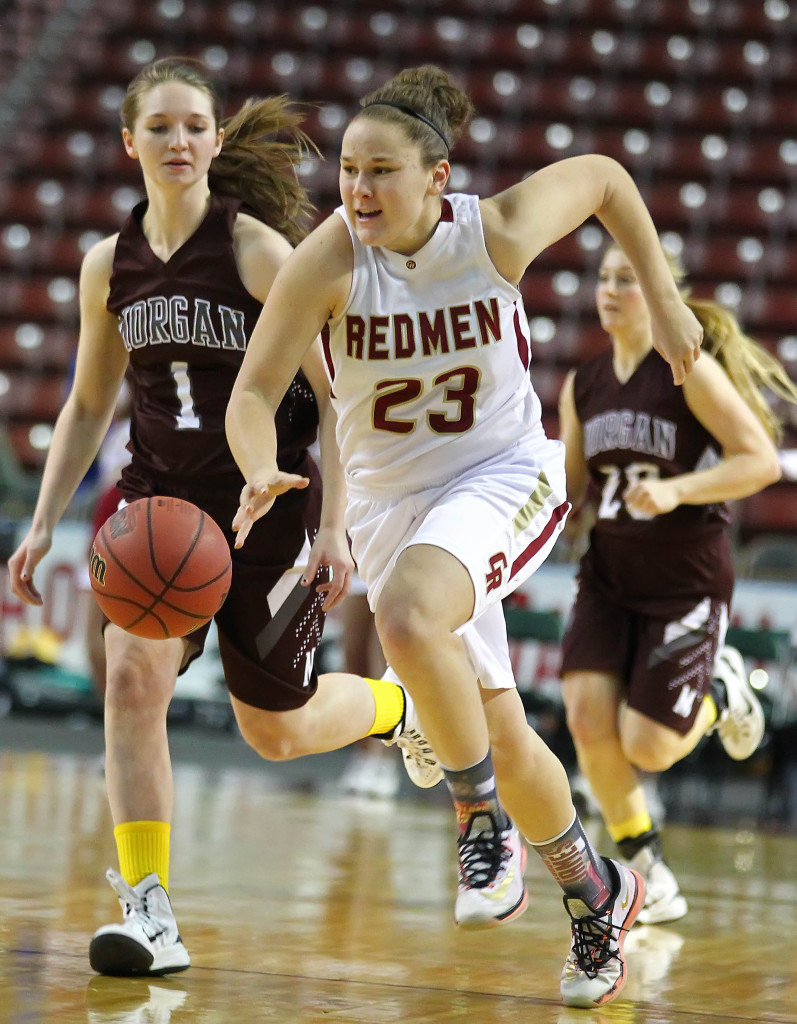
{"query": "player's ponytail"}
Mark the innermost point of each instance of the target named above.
(428, 103)
(752, 369)
(263, 146)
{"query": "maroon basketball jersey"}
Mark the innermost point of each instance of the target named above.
(640, 429)
(185, 325)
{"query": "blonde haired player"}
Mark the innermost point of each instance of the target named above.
(644, 670)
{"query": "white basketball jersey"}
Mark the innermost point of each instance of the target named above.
(429, 360)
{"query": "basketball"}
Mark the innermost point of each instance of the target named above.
(160, 567)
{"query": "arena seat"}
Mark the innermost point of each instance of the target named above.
(37, 347)
(769, 511)
(547, 380)
(40, 298)
(19, 487)
(31, 397)
(27, 455)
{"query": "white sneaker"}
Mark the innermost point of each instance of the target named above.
(371, 775)
(147, 940)
(741, 725)
(594, 972)
(491, 888)
(663, 899)
(420, 761)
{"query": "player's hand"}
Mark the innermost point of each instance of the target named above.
(330, 550)
(22, 564)
(648, 498)
(677, 337)
(258, 497)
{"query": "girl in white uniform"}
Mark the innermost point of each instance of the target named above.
(455, 493)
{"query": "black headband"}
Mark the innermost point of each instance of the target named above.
(412, 113)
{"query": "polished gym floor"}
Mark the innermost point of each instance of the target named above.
(299, 905)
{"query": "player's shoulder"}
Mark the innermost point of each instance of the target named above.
(97, 264)
(259, 252)
(327, 252)
(251, 237)
(707, 374)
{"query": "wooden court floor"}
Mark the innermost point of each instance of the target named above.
(301, 907)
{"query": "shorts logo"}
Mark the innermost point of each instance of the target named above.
(495, 577)
(686, 699)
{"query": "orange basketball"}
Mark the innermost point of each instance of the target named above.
(160, 567)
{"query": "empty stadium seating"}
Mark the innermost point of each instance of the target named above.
(698, 100)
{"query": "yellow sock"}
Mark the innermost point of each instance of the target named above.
(709, 702)
(631, 828)
(143, 847)
(389, 706)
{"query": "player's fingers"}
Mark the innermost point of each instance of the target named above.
(23, 588)
(678, 372)
(282, 483)
(344, 579)
(314, 564)
(332, 595)
(246, 495)
(241, 529)
(27, 576)
(291, 480)
(240, 516)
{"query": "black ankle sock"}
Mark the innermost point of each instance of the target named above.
(630, 847)
(719, 695)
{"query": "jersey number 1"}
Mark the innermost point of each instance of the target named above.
(187, 418)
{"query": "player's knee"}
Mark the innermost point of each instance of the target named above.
(587, 723)
(647, 753)
(276, 736)
(129, 686)
(403, 629)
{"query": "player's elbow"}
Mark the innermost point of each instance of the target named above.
(767, 469)
(773, 468)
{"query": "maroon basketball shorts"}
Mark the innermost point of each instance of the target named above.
(665, 662)
(269, 626)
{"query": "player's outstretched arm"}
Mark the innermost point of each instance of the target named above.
(305, 291)
(535, 213)
(83, 421)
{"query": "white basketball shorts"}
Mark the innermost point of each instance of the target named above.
(500, 519)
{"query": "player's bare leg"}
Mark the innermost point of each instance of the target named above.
(593, 707)
(345, 708)
(141, 677)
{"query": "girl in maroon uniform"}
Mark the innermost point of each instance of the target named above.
(173, 297)
(655, 584)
